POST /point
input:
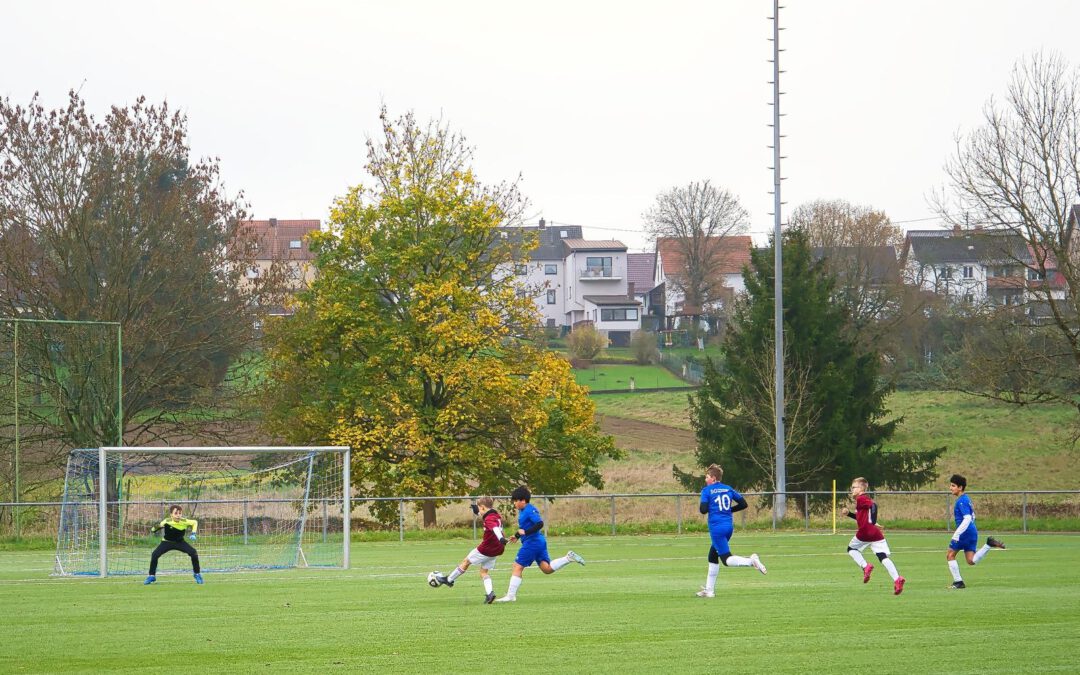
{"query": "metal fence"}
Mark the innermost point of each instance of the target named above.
(669, 512)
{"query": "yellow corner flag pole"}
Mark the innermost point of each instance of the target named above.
(834, 506)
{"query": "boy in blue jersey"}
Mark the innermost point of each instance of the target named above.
(966, 536)
(533, 544)
(720, 501)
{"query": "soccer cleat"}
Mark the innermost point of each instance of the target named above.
(149, 580)
(866, 572)
(756, 562)
(994, 543)
(705, 593)
(198, 578)
(507, 598)
(489, 598)
(898, 586)
(443, 581)
(958, 585)
(570, 555)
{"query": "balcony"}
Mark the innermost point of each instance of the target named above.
(598, 274)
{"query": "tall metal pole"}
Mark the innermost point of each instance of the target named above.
(15, 512)
(779, 501)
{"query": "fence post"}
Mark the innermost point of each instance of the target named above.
(1025, 513)
(401, 519)
(806, 509)
(324, 520)
(774, 512)
(245, 522)
(613, 516)
(475, 516)
(948, 522)
(678, 513)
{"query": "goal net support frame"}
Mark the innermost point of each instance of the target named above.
(103, 502)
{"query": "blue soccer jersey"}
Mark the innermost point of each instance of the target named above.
(720, 499)
(528, 517)
(969, 538)
(533, 546)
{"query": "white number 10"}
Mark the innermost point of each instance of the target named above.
(723, 502)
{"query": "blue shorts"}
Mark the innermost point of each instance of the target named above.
(532, 553)
(720, 537)
(969, 541)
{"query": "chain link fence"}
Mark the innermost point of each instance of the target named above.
(658, 513)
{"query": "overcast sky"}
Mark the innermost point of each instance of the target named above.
(598, 106)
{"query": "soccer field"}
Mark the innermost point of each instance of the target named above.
(630, 609)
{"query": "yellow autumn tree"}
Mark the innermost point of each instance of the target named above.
(414, 346)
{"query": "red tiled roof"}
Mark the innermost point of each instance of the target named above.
(276, 236)
(733, 254)
(640, 268)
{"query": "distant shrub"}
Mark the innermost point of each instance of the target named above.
(585, 342)
(643, 347)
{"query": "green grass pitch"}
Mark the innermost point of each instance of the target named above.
(630, 609)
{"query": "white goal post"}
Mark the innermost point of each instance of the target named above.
(257, 507)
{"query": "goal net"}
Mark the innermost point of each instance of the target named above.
(256, 507)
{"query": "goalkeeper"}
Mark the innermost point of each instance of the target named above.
(174, 528)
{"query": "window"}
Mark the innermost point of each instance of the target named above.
(562, 234)
(253, 272)
(1035, 275)
(295, 243)
(551, 297)
(618, 315)
(598, 267)
(968, 298)
(946, 273)
(521, 269)
(551, 268)
(521, 293)
(969, 272)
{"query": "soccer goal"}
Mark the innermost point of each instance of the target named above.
(257, 508)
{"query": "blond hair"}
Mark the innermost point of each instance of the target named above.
(715, 471)
(486, 502)
(861, 481)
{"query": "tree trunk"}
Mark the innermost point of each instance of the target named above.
(429, 513)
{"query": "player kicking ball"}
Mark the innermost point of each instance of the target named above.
(533, 544)
(719, 501)
(491, 547)
(172, 539)
(869, 534)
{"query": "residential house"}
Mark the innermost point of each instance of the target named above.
(287, 241)
(543, 276)
(972, 266)
(732, 254)
(644, 283)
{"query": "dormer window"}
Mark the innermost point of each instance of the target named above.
(295, 243)
(562, 234)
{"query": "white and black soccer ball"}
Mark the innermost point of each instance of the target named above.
(433, 579)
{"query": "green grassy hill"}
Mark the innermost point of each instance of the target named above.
(997, 446)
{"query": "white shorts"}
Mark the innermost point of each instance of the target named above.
(880, 546)
(475, 557)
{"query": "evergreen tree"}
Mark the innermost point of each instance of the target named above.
(835, 410)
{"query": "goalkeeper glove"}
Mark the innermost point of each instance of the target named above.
(191, 536)
(475, 509)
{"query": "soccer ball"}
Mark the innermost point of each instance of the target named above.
(433, 579)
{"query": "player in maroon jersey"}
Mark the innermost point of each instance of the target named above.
(490, 548)
(869, 534)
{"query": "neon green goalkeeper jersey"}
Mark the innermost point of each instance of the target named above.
(174, 529)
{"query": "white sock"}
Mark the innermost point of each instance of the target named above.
(488, 586)
(738, 561)
(954, 567)
(514, 583)
(710, 581)
(888, 563)
(455, 574)
(857, 556)
(559, 563)
(980, 553)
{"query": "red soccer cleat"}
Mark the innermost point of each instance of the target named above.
(898, 586)
(866, 573)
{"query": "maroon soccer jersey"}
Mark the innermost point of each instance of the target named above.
(491, 545)
(866, 517)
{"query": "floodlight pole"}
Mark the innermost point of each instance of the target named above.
(779, 498)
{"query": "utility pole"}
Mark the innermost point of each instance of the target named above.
(780, 489)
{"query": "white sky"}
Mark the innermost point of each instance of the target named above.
(598, 105)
